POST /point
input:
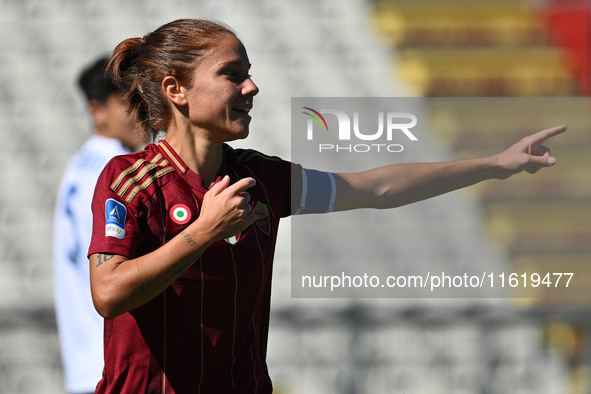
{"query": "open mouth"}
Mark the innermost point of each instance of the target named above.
(244, 110)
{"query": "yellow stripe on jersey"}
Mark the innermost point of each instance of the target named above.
(132, 169)
(139, 176)
(178, 164)
(148, 182)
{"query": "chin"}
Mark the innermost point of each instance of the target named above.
(242, 137)
(238, 136)
(243, 133)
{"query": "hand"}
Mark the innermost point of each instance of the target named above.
(226, 209)
(528, 154)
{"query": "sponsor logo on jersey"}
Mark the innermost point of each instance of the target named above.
(115, 217)
(262, 213)
(234, 239)
(180, 214)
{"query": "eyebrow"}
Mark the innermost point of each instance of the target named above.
(235, 63)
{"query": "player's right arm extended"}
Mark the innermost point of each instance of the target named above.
(400, 184)
(119, 285)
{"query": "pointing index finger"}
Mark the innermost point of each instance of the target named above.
(541, 136)
(220, 186)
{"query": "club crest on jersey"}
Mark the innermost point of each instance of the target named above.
(262, 213)
(115, 217)
(180, 214)
(234, 239)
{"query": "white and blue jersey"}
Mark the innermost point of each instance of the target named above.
(80, 326)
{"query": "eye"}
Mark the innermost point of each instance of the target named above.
(231, 73)
(235, 74)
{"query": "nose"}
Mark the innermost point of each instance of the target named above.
(250, 88)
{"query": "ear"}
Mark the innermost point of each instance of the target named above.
(174, 90)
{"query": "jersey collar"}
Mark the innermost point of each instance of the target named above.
(193, 178)
(173, 158)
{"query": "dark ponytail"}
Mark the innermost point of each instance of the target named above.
(123, 70)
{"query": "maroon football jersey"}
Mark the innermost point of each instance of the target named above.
(207, 332)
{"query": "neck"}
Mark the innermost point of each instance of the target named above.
(201, 155)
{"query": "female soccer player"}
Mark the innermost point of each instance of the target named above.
(184, 231)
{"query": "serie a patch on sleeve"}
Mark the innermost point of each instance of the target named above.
(116, 214)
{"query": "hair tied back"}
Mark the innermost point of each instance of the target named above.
(140, 49)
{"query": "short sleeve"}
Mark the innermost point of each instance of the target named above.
(280, 178)
(286, 178)
(115, 228)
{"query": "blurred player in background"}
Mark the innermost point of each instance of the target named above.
(184, 231)
(80, 327)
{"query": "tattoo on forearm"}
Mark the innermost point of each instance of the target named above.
(103, 258)
(188, 239)
(187, 264)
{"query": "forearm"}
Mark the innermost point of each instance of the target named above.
(401, 184)
(120, 285)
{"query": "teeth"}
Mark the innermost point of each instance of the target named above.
(246, 110)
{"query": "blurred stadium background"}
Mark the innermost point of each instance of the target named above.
(338, 48)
